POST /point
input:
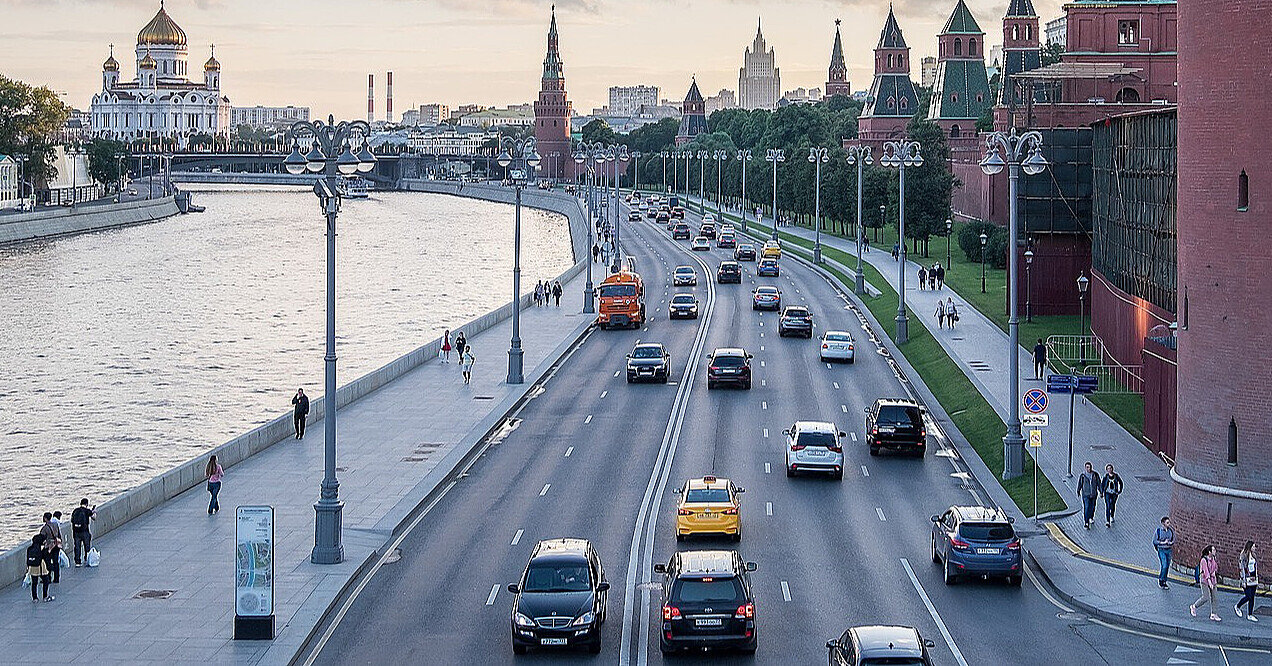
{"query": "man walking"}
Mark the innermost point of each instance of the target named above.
(1088, 490)
(923, 275)
(300, 410)
(1040, 359)
(52, 532)
(940, 276)
(468, 365)
(1164, 542)
(80, 518)
(1111, 487)
(556, 292)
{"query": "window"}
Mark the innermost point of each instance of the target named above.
(954, 97)
(980, 97)
(1028, 32)
(892, 102)
(1128, 33)
(954, 131)
(1243, 191)
(958, 46)
(890, 60)
(904, 104)
(1015, 31)
(1128, 96)
(971, 46)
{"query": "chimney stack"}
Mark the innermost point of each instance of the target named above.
(370, 98)
(388, 109)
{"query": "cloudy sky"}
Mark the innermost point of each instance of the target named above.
(319, 52)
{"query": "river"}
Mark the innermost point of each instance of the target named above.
(129, 351)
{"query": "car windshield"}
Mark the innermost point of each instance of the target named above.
(684, 270)
(707, 591)
(618, 290)
(729, 361)
(682, 300)
(797, 313)
(766, 291)
(986, 531)
(838, 337)
(647, 352)
(823, 439)
(705, 495)
(557, 578)
(899, 415)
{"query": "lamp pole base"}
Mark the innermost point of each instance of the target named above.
(327, 526)
(514, 364)
(1013, 454)
(860, 283)
(903, 329)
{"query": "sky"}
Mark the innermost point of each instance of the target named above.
(318, 53)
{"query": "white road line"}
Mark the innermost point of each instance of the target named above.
(761, 323)
(761, 335)
(881, 516)
(763, 404)
(766, 433)
(763, 382)
(604, 393)
(940, 624)
(569, 451)
(836, 385)
(768, 508)
(844, 407)
(516, 538)
(587, 420)
(494, 592)
(761, 347)
(827, 366)
(854, 436)
(545, 489)
(864, 471)
(761, 364)
(767, 468)
(616, 372)
(786, 591)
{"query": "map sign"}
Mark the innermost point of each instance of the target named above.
(254, 561)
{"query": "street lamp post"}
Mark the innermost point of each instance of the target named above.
(883, 211)
(818, 156)
(1023, 152)
(860, 156)
(636, 155)
(581, 158)
(775, 156)
(1084, 283)
(1029, 255)
(74, 152)
(983, 239)
(519, 152)
(702, 179)
(949, 231)
(744, 156)
(901, 154)
(332, 154)
(688, 155)
(664, 155)
(614, 156)
(719, 156)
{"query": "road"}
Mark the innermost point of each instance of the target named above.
(594, 457)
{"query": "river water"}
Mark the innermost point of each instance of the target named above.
(129, 351)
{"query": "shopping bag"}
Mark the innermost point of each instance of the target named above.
(62, 559)
(26, 580)
(93, 558)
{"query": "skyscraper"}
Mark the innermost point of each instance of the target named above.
(759, 79)
(837, 77)
(552, 112)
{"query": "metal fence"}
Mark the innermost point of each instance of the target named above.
(1084, 355)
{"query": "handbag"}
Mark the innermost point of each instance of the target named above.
(26, 580)
(93, 558)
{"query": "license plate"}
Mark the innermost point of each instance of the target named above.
(708, 622)
(817, 452)
(706, 515)
(987, 551)
(553, 641)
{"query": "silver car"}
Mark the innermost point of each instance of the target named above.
(684, 276)
(838, 346)
(814, 446)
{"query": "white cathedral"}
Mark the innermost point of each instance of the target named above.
(162, 101)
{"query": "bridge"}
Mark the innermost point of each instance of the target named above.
(389, 168)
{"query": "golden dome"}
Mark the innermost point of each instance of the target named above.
(212, 65)
(111, 65)
(147, 62)
(162, 30)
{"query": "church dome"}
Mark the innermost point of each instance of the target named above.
(212, 65)
(148, 62)
(162, 30)
(111, 65)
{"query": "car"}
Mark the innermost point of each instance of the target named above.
(560, 599)
(726, 240)
(976, 541)
(678, 212)
(683, 306)
(768, 268)
(708, 505)
(700, 244)
(663, 216)
(681, 231)
(896, 423)
(727, 228)
(814, 446)
(795, 320)
(671, 223)
(648, 361)
(707, 602)
(771, 249)
(869, 645)
(708, 217)
(767, 298)
(684, 276)
(651, 212)
(729, 271)
(838, 346)
(729, 365)
(744, 252)
(707, 229)
(634, 216)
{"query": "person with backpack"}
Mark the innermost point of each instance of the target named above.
(1111, 488)
(52, 532)
(1208, 569)
(1249, 581)
(1164, 542)
(80, 519)
(38, 566)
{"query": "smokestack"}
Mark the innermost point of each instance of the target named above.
(370, 98)
(388, 109)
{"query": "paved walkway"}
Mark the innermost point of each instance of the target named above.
(388, 441)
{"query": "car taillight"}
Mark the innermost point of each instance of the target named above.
(835, 449)
(958, 544)
(825, 346)
(671, 613)
(797, 447)
(685, 512)
(730, 512)
(1014, 545)
(745, 611)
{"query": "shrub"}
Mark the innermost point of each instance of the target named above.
(969, 239)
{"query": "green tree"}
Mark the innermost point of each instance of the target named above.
(969, 238)
(104, 164)
(927, 188)
(598, 130)
(30, 119)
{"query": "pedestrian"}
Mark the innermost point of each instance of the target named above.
(596, 252)
(1089, 491)
(538, 293)
(940, 314)
(300, 412)
(1249, 581)
(1164, 542)
(468, 366)
(1209, 570)
(38, 567)
(923, 274)
(446, 346)
(80, 519)
(556, 292)
(214, 473)
(951, 313)
(52, 531)
(1040, 359)
(896, 251)
(461, 345)
(1111, 488)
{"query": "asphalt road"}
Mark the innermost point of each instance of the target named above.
(594, 457)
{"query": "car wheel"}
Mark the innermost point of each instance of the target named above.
(851, 360)
(680, 537)
(1014, 581)
(949, 576)
(629, 379)
(710, 385)
(518, 649)
(936, 557)
(747, 386)
(838, 476)
(664, 378)
(920, 452)
(595, 647)
(750, 648)
(808, 335)
(874, 450)
(665, 648)
(737, 537)
(823, 358)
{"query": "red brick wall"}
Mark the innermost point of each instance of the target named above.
(1160, 396)
(1122, 321)
(1224, 281)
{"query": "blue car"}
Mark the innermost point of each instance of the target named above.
(976, 541)
(767, 268)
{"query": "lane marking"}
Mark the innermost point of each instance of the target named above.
(940, 624)
(763, 382)
(768, 469)
(494, 592)
(854, 436)
(786, 591)
(516, 538)
(836, 385)
(616, 372)
(761, 335)
(879, 511)
(761, 364)
(844, 407)
(587, 420)
(766, 433)
(761, 347)
(827, 366)
(864, 471)
(763, 404)
(545, 489)
(569, 451)
(604, 393)
(768, 508)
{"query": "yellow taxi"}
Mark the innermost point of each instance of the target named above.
(708, 505)
(771, 249)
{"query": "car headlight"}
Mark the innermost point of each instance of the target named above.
(583, 619)
(521, 620)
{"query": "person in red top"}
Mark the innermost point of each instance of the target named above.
(1208, 570)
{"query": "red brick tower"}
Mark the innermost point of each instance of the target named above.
(552, 114)
(1222, 490)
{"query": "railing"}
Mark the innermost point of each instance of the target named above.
(1084, 355)
(1074, 351)
(1117, 379)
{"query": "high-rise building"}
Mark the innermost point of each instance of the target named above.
(552, 112)
(264, 117)
(725, 99)
(434, 114)
(960, 92)
(892, 100)
(629, 100)
(759, 78)
(927, 71)
(837, 76)
(693, 115)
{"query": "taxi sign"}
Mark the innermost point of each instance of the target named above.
(1035, 439)
(1033, 420)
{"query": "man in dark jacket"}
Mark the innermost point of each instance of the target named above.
(1088, 490)
(300, 410)
(1111, 488)
(80, 518)
(52, 532)
(1040, 359)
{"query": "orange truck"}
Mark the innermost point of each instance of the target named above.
(622, 298)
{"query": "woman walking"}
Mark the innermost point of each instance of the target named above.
(214, 474)
(940, 314)
(461, 346)
(467, 362)
(1249, 581)
(1111, 488)
(1208, 569)
(37, 557)
(446, 346)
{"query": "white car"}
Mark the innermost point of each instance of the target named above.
(727, 228)
(634, 216)
(684, 276)
(700, 244)
(837, 346)
(814, 446)
(709, 217)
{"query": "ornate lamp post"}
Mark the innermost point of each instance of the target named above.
(983, 239)
(332, 154)
(1022, 152)
(1084, 283)
(901, 154)
(818, 156)
(702, 179)
(719, 156)
(636, 155)
(775, 156)
(860, 156)
(664, 154)
(520, 153)
(744, 156)
(614, 156)
(581, 158)
(949, 231)
(74, 152)
(1029, 255)
(883, 211)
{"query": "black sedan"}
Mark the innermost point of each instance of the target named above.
(560, 600)
(649, 361)
(729, 271)
(683, 306)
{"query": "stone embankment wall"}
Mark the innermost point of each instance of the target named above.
(19, 227)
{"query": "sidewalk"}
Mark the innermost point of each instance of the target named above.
(165, 590)
(1106, 571)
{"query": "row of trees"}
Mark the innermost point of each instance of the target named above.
(30, 120)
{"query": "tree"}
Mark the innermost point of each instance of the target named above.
(30, 119)
(985, 123)
(927, 188)
(1051, 53)
(104, 164)
(598, 130)
(969, 238)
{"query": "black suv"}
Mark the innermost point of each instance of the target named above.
(729, 365)
(729, 271)
(681, 231)
(707, 601)
(896, 423)
(744, 252)
(796, 320)
(560, 600)
(648, 361)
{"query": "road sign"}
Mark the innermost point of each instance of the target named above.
(1035, 401)
(1035, 438)
(1060, 383)
(1033, 420)
(1086, 384)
